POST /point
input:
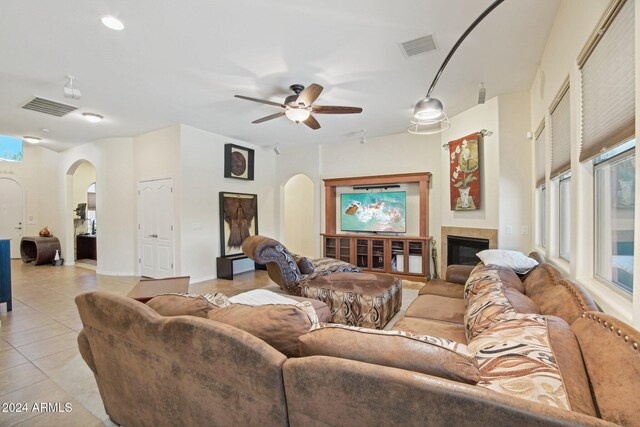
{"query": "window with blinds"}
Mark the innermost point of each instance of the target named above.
(561, 134)
(540, 161)
(608, 82)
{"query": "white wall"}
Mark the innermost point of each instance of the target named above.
(202, 165)
(115, 214)
(299, 196)
(37, 175)
(484, 116)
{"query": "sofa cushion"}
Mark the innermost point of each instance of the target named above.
(515, 260)
(485, 310)
(437, 307)
(442, 288)
(515, 357)
(280, 325)
(557, 296)
(569, 359)
(426, 354)
(418, 326)
(322, 309)
(520, 302)
(178, 305)
(326, 266)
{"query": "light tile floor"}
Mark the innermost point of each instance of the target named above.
(38, 348)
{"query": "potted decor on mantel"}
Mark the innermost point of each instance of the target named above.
(467, 165)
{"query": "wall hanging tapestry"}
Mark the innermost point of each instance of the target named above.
(238, 162)
(238, 220)
(464, 176)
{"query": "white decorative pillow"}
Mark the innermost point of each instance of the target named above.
(515, 260)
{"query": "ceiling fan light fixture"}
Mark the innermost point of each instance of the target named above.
(428, 109)
(297, 114)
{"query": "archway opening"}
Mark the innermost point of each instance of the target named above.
(298, 215)
(83, 214)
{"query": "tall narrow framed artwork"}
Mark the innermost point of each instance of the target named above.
(238, 220)
(464, 172)
(238, 162)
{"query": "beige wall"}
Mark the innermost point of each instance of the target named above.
(299, 196)
(399, 153)
(83, 177)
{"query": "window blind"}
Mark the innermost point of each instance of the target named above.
(561, 136)
(608, 85)
(540, 163)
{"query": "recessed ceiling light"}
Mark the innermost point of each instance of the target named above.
(32, 139)
(112, 22)
(92, 117)
(44, 129)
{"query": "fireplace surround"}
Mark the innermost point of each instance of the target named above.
(490, 234)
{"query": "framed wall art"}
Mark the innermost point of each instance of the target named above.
(464, 176)
(238, 162)
(238, 220)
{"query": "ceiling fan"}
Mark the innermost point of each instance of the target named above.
(298, 107)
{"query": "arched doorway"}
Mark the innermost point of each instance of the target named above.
(11, 214)
(82, 213)
(299, 233)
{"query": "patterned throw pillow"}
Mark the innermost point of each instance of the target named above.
(305, 265)
(515, 357)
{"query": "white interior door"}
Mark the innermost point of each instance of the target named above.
(11, 214)
(155, 204)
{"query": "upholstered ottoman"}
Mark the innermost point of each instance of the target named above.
(358, 299)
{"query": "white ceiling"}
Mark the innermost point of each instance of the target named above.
(182, 62)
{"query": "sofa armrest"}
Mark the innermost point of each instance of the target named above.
(85, 351)
(325, 390)
(281, 265)
(459, 273)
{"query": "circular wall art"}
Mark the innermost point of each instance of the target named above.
(238, 162)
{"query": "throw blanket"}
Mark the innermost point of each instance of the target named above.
(261, 297)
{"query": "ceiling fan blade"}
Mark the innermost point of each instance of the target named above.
(312, 123)
(262, 101)
(334, 109)
(267, 118)
(309, 94)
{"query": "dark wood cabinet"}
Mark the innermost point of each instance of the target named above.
(401, 256)
(86, 247)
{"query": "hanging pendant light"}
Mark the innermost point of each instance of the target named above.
(428, 114)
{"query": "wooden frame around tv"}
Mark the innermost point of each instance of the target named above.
(421, 178)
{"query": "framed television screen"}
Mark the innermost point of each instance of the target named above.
(373, 212)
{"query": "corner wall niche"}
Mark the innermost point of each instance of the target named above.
(400, 254)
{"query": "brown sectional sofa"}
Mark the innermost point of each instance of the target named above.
(184, 370)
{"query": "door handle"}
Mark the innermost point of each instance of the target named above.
(18, 228)
(153, 235)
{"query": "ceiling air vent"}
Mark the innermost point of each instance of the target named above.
(48, 106)
(418, 46)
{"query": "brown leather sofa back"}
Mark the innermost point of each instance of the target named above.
(153, 370)
(557, 296)
(281, 266)
(325, 391)
(612, 357)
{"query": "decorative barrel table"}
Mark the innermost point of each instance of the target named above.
(39, 250)
(5, 273)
